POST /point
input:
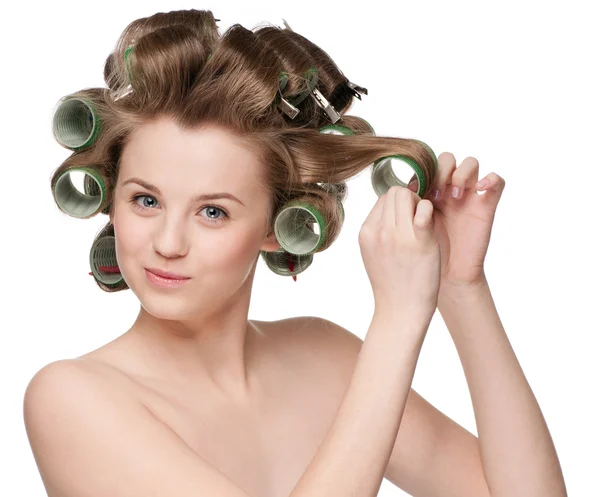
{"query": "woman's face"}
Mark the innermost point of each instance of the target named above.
(163, 225)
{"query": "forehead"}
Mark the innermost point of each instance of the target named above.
(213, 156)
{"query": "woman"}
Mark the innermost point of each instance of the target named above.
(207, 151)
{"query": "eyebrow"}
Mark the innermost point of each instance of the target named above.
(198, 198)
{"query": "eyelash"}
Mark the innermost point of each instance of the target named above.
(133, 200)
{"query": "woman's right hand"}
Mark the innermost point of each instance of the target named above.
(401, 254)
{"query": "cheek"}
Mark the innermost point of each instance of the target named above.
(235, 252)
(130, 238)
(232, 248)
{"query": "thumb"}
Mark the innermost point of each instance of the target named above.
(423, 221)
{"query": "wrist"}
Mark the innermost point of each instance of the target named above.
(453, 290)
(413, 321)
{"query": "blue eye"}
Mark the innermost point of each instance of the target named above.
(210, 219)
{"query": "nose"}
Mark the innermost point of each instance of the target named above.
(170, 238)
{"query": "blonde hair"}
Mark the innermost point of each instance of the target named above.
(178, 65)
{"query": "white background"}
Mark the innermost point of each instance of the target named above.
(513, 84)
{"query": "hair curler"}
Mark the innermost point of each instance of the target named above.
(75, 123)
(103, 261)
(71, 201)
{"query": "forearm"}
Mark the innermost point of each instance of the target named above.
(354, 455)
(517, 452)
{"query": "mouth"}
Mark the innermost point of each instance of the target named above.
(165, 283)
(167, 275)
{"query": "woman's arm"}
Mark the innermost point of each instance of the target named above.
(517, 452)
(354, 455)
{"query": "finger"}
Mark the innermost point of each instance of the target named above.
(465, 177)
(413, 184)
(389, 210)
(376, 213)
(443, 178)
(406, 204)
(423, 220)
(493, 189)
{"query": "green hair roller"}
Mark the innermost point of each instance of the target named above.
(103, 261)
(285, 264)
(383, 177)
(71, 201)
(75, 123)
(291, 229)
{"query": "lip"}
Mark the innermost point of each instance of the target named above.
(167, 274)
(161, 282)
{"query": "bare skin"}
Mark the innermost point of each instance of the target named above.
(264, 446)
(249, 397)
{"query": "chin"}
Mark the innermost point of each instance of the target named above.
(171, 308)
(164, 303)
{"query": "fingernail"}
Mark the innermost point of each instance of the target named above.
(455, 191)
(434, 194)
(482, 184)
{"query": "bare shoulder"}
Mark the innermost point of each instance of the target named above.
(67, 372)
(316, 328)
(58, 384)
(319, 339)
(89, 438)
(79, 373)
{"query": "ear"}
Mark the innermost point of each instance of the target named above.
(270, 244)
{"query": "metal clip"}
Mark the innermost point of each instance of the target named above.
(288, 108)
(284, 104)
(115, 96)
(325, 105)
(357, 90)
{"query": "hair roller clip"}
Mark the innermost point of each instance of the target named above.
(283, 104)
(287, 26)
(289, 106)
(123, 92)
(357, 90)
(332, 114)
(116, 96)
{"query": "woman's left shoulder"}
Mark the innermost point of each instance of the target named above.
(325, 329)
(320, 337)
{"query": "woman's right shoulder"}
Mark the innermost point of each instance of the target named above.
(90, 438)
(66, 375)
(60, 370)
